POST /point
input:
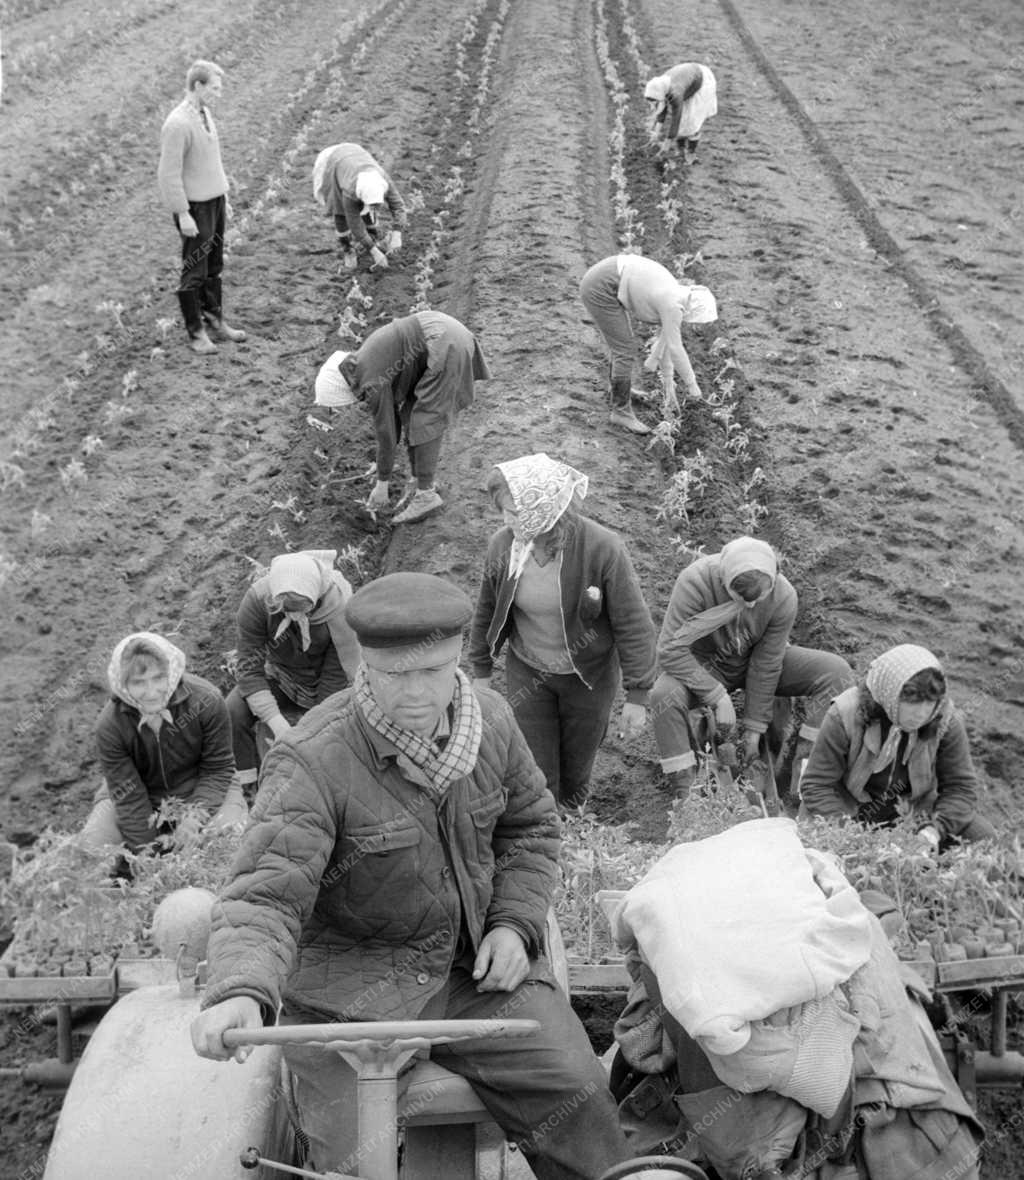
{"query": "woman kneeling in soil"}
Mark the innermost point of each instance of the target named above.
(897, 743)
(294, 649)
(562, 591)
(164, 734)
(628, 285)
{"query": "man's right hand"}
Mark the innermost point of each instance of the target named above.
(209, 1027)
(725, 713)
(187, 225)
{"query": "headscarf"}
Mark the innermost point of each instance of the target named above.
(441, 767)
(741, 556)
(151, 644)
(370, 187)
(886, 676)
(542, 489)
(697, 303)
(658, 89)
(331, 388)
(320, 165)
(311, 573)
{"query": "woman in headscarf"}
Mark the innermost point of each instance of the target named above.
(353, 189)
(164, 734)
(413, 375)
(727, 626)
(294, 649)
(896, 744)
(561, 591)
(625, 286)
(680, 102)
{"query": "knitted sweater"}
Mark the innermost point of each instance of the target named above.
(190, 164)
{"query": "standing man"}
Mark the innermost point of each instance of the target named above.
(399, 865)
(193, 187)
(413, 375)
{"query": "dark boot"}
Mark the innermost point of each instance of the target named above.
(622, 407)
(198, 340)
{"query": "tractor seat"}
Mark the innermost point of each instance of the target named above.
(436, 1095)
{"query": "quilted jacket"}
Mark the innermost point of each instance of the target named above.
(351, 885)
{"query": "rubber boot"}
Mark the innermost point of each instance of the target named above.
(622, 407)
(198, 340)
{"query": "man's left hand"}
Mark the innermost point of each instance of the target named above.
(751, 746)
(501, 963)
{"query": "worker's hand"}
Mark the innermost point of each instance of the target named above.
(481, 682)
(928, 840)
(380, 259)
(751, 745)
(501, 963)
(394, 241)
(725, 714)
(209, 1027)
(279, 726)
(187, 225)
(378, 498)
(633, 720)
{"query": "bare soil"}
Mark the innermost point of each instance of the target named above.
(855, 208)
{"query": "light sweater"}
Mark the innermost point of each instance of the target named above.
(651, 294)
(190, 164)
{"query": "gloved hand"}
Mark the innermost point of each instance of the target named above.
(928, 840)
(394, 241)
(725, 714)
(633, 720)
(378, 498)
(380, 259)
(279, 726)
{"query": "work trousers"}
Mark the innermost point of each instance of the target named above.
(244, 723)
(202, 261)
(563, 721)
(806, 672)
(547, 1091)
(599, 290)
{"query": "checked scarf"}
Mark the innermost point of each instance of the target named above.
(441, 767)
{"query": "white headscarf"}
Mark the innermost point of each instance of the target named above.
(331, 388)
(370, 187)
(741, 556)
(542, 489)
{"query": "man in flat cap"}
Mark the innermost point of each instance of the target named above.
(399, 865)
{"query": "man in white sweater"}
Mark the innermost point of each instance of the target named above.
(193, 187)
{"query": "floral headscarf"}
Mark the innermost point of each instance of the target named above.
(542, 489)
(150, 644)
(886, 676)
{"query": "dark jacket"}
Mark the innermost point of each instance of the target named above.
(748, 653)
(390, 372)
(312, 675)
(943, 785)
(618, 626)
(351, 885)
(191, 758)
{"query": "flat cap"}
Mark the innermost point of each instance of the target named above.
(400, 610)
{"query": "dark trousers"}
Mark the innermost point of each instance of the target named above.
(202, 260)
(547, 1091)
(423, 462)
(563, 721)
(244, 722)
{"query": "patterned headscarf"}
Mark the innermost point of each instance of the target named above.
(542, 489)
(886, 676)
(742, 556)
(442, 767)
(150, 644)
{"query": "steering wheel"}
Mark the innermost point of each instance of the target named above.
(655, 1167)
